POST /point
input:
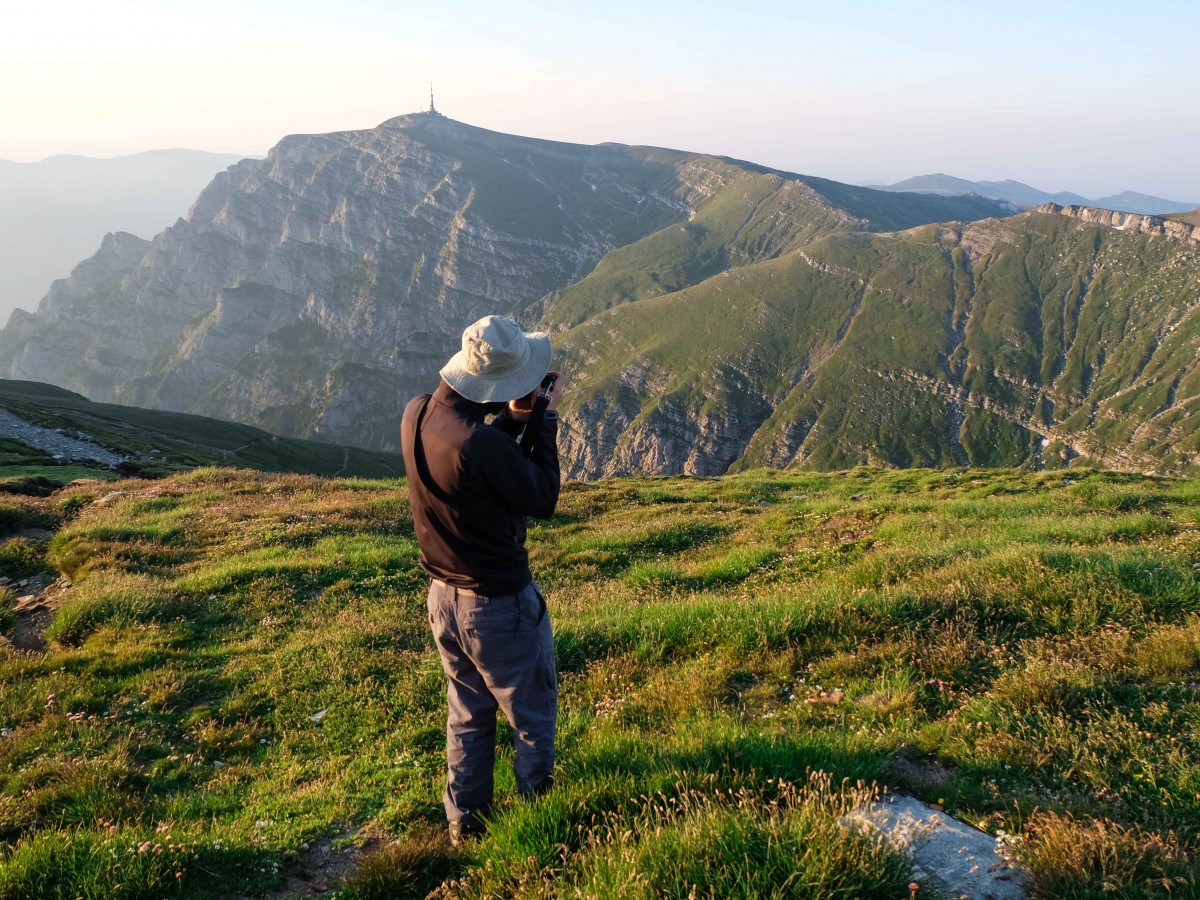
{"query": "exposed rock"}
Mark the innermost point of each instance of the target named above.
(314, 291)
(60, 445)
(1122, 221)
(1079, 344)
(34, 611)
(956, 859)
(714, 314)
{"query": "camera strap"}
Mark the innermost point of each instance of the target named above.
(419, 456)
(534, 424)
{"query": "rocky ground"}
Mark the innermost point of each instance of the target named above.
(62, 445)
(37, 599)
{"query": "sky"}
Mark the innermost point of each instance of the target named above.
(1093, 97)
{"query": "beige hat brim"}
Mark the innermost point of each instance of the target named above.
(509, 386)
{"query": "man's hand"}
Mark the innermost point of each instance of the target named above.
(520, 408)
(556, 392)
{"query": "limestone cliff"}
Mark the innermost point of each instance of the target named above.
(312, 291)
(1175, 228)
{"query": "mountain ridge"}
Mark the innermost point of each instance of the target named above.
(1026, 196)
(996, 342)
(51, 436)
(711, 314)
(1178, 228)
(311, 292)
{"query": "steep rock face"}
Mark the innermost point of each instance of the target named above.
(696, 429)
(1033, 340)
(72, 304)
(342, 264)
(313, 292)
(56, 211)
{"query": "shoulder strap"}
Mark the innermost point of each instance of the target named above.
(419, 456)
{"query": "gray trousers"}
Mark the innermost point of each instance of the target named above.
(498, 653)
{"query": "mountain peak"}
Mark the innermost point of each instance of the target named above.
(421, 117)
(313, 291)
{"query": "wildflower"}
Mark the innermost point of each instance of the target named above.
(913, 887)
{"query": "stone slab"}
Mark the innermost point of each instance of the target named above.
(950, 856)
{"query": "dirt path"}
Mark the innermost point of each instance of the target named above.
(323, 868)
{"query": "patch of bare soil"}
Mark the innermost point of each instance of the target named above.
(323, 868)
(846, 529)
(34, 534)
(919, 771)
(37, 599)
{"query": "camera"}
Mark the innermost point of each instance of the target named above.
(537, 402)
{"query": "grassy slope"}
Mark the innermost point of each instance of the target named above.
(1191, 218)
(1021, 647)
(185, 441)
(940, 345)
(756, 215)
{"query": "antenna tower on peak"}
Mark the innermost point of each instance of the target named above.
(432, 108)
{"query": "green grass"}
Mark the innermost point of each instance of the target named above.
(1033, 639)
(41, 480)
(1188, 218)
(1031, 341)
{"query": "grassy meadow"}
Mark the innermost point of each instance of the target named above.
(239, 696)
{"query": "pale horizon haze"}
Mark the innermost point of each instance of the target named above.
(1088, 97)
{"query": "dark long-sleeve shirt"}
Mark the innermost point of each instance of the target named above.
(471, 489)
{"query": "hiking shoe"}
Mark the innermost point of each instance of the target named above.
(543, 787)
(461, 832)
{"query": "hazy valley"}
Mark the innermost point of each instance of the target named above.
(54, 213)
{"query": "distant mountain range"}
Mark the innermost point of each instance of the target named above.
(709, 313)
(1025, 196)
(53, 213)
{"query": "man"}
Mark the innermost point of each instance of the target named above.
(471, 488)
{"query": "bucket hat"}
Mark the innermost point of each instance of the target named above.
(498, 361)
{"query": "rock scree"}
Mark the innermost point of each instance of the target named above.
(53, 441)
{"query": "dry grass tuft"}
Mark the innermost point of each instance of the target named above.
(1078, 857)
(409, 867)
